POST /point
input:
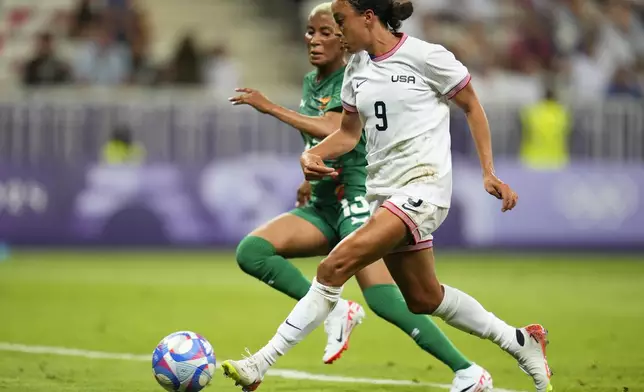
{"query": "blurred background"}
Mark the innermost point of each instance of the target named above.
(115, 129)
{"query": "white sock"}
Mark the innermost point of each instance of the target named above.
(465, 313)
(339, 308)
(308, 314)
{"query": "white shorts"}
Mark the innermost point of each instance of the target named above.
(421, 217)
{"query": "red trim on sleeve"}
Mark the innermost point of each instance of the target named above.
(349, 108)
(459, 87)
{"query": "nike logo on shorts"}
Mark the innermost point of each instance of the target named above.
(412, 204)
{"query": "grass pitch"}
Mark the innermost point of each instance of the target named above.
(125, 302)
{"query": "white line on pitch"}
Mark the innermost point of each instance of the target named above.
(283, 373)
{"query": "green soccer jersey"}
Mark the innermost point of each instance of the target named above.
(319, 97)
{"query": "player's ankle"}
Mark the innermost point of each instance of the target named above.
(511, 340)
(263, 366)
(330, 292)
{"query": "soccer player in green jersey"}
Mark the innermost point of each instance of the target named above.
(330, 209)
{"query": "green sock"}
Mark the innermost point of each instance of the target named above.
(257, 257)
(387, 301)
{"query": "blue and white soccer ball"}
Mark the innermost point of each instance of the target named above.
(183, 361)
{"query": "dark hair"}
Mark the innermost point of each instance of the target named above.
(390, 12)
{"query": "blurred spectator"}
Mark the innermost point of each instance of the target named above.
(45, 68)
(220, 70)
(533, 51)
(119, 18)
(545, 132)
(100, 60)
(143, 72)
(588, 77)
(186, 65)
(85, 15)
(639, 72)
(622, 41)
(625, 85)
(461, 9)
(475, 48)
(121, 149)
(140, 30)
(128, 22)
(573, 19)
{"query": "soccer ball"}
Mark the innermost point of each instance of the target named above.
(183, 361)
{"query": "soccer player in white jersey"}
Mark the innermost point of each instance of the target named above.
(398, 88)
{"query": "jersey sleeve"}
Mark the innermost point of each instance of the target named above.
(444, 72)
(348, 95)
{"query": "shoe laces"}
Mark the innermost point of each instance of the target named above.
(250, 359)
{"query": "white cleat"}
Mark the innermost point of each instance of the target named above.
(532, 356)
(339, 326)
(246, 373)
(472, 379)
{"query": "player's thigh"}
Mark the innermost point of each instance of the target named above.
(415, 274)
(299, 233)
(353, 216)
(354, 213)
(377, 237)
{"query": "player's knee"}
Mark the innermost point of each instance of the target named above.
(334, 270)
(252, 252)
(331, 272)
(341, 264)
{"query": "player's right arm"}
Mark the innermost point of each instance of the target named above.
(339, 143)
(317, 127)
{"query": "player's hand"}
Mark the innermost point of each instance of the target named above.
(253, 98)
(314, 168)
(502, 191)
(303, 194)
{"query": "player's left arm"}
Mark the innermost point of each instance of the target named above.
(451, 79)
(318, 127)
(468, 101)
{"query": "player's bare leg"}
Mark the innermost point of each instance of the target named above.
(415, 274)
(384, 298)
(263, 254)
(364, 246)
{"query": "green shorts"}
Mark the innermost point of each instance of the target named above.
(338, 220)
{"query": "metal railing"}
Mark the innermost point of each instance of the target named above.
(194, 130)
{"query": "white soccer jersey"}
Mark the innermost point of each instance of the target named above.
(402, 98)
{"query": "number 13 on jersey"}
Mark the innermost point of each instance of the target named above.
(357, 210)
